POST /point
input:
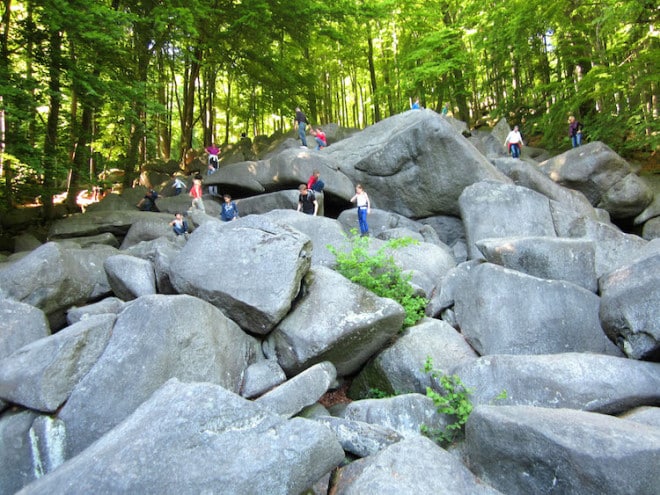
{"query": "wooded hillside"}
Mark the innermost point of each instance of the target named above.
(87, 86)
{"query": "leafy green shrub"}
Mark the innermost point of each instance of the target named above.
(454, 401)
(378, 272)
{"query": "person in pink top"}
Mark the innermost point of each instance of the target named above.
(319, 137)
(213, 152)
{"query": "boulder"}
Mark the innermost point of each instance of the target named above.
(561, 450)
(16, 451)
(42, 374)
(630, 307)
(491, 209)
(415, 164)
(255, 299)
(413, 465)
(230, 444)
(589, 382)
(54, 277)
(20, 324)
(109, 305)
(360, 438)
(400, 368)
(160, 252)
(130, 277)
(646, 415)
(597, 171)
(335, 320)
(553, 258)
(303, 390)
(116, 222)
(261, 377)
(501, 311)
(154, 339)
(405, 414)
(147, 229)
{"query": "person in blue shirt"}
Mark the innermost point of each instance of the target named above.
(228, 210)
(415, 105)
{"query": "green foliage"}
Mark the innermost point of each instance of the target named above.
(376, 393)
(453, 400)
(377, 271)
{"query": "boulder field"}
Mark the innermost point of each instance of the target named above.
(237, 360)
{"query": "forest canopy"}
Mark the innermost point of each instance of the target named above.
(92, 85)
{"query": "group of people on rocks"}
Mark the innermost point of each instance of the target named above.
(514, 140)
(300, 123)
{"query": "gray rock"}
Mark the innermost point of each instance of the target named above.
(646, 415)
(501, 311)
(322, 231)
(529, 176)
(491, 209)
(130, 277)
(651, 211)
(154, 339)
(359, 438)
(26, 242)
(630, 307)
(400, 367)
(20, 324)
(614, 249)
(627, 198)
(147, 229)
(450, 230)
(562, 451)
(335, 320)
(261, 377)
(450, 285)
(230, 444)
(264, 203)
(115, 202)
(109, 305)
(590, 382)
(16, 451)
(160, 252)
(106, 238)
(53, 277)
(379, 221)
(255, 299)
(405, 414)
(413, 465)
(303, 390)
(413, 163)
(114, 222)
(42, 374)
(572, 260)
(594, 169)
(651, 229)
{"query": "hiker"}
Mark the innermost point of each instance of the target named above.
(179, 224)
(307, 201)
(361, 199)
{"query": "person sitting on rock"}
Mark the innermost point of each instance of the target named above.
(179, 224)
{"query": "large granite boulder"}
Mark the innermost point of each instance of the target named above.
(335, 320)
(562, 451)
(20, 324)
(414, 163)
(218, 264)
(155, 338)
(192, 438)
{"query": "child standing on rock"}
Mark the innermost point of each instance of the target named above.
(364, 208)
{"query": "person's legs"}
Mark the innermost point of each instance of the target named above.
(320, 143)
(301, 133)
(574, 140)
(179, 230)
(362, 221)
(578, 138)
(515, 150)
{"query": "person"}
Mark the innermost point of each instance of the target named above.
(228, 210)
(148, 203)
(213, 152)
(179, 224)
(514, 141)
(314, 182)
(415, 105)
(196, 194)
(213, 189)
(178, 186)
(575, 131)
(300, 123)
(445, 109)
(319, 136)
(361, 199)
(307, 201)
(246, 148)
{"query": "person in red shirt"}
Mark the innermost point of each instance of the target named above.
(315, 183)
(196, 194)
(319, 136)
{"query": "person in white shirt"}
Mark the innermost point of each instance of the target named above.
(364, 208)
(515, 142)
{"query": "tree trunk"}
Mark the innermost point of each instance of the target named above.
(50, 144)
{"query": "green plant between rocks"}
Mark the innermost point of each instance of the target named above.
(454, 401)
(377, 271)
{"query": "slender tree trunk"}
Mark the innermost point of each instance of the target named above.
(372, 76)
(50, 144)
